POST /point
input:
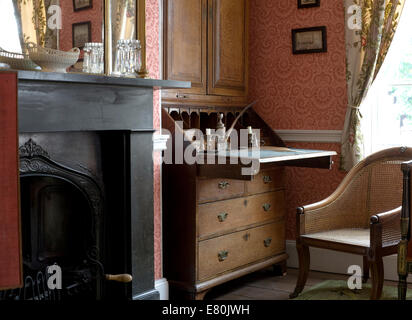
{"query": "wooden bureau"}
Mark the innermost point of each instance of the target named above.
(219, 225)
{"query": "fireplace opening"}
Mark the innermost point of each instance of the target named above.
(58, 228)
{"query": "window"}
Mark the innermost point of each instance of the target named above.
(387, 109)
(9, 38)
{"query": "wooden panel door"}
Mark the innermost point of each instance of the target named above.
(10, 252)
(185, 43)
(228, 46)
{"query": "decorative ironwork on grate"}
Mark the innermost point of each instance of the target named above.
(35, 288)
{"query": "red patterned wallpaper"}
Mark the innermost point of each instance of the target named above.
(69, 16)
(305, 91)
(153, 66)
(294, 90)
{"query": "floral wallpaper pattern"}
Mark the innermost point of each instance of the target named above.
(153, 66)
(305, 92)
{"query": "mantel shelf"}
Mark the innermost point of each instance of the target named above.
(101, 79)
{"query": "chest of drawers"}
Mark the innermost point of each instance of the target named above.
(219, 225)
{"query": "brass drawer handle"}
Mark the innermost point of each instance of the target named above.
(267, 179)
(223, 184)
(266, 207)
(267, 242)
(246, 237)
(222, 216)
(222, 255)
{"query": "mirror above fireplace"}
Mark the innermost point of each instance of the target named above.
(66, 24)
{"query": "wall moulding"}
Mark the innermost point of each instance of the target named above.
(329, 136)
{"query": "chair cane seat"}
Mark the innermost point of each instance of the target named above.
(357, 237)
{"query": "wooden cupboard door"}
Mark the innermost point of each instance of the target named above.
(185, 43)
(10, 252)
(228, 46)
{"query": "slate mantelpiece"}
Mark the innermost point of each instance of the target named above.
(121, 111)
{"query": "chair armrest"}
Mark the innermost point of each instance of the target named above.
(387, 227)
(384, 217)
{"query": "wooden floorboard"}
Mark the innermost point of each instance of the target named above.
(265, 285)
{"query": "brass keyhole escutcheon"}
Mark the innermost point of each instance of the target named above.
(222, 216)
(223, 185)
(266, 207)
(267, 242)
(267, 179)
(222, 255)
(246, 237)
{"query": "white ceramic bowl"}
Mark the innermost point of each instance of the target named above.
(17, 61)
(51, 60)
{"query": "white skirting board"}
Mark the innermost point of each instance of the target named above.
(162, 285)
(338, 262)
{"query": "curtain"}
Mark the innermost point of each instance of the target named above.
(370, 27)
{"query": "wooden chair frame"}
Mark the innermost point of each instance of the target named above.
(378, 248)
(404, 265)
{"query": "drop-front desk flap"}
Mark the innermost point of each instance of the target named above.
(229, 164)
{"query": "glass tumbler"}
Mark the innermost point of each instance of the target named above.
(86, 57)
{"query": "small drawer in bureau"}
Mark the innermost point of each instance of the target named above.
(223, 216)
(224, 253)
(218, 189)
(267, 180)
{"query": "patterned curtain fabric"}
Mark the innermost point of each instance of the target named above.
(32, 16)
(370, 27)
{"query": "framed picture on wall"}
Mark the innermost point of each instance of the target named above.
(82, 4)
(81, 33)
(308, 3)
(309, 40)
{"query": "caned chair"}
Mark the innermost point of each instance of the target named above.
(405, 245)
(362, 216)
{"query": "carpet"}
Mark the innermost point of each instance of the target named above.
(338, 290)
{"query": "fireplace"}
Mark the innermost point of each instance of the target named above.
(62, 215)
(86, 180)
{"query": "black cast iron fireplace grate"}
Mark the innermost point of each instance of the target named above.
(61, 221)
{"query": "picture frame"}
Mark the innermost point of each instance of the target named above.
(308, 3)
(82, 4)
(309, 40)
(81, 34)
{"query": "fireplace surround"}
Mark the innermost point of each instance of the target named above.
(86, 175)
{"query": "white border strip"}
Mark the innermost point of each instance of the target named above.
(160, 142)
(162, 285)
(334, 136)
(298, 157)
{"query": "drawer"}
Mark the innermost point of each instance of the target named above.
(222, 216)
(218, 189)
(234, 250)
(265, 181)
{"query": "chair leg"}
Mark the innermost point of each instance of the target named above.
(377, 278)
(304, 262)
(365, 276)
(402, 287)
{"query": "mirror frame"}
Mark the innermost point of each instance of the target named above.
(140, 32)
